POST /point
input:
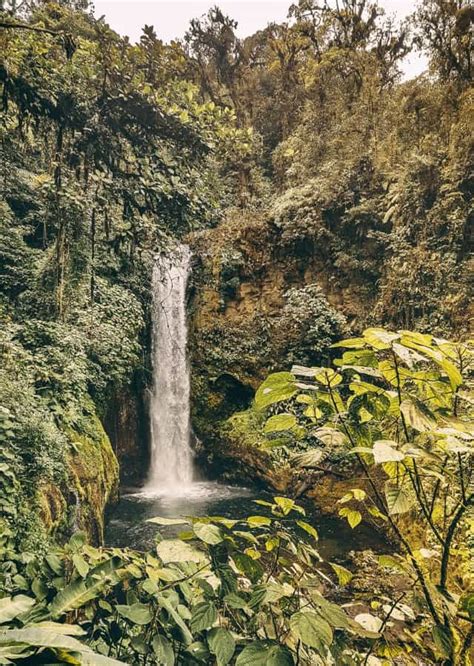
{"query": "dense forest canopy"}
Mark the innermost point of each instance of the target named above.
(299, 145)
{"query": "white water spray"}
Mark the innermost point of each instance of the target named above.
(171, 468)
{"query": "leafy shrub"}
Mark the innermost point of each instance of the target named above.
(253, 591)
(309, 322)
(399, 403)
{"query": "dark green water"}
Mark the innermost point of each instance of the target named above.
(127, 526)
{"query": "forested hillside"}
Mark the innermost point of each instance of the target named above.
(324, 196)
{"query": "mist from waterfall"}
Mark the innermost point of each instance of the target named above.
(171, 464)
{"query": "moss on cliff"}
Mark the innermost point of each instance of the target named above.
(236, 450)
(91, 483)
(253, 310)
(93, 477)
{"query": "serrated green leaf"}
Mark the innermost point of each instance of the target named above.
(221, 644)
(353, 517)
(208, 533)
(163, 650)
(308, 528)
(137, 613)
(344, 576)
(280, 422)
(416, 417)
(278, 387)
(204, 615)
(12, 607)
(311, 629)
(264, 653)
(399, 499)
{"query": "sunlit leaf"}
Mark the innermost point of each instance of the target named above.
(204, 615)
(221, 644)
(280, 422)
(399, 499)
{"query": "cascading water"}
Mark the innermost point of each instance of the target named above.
(171, 468)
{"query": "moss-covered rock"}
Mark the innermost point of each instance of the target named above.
(253, 310)
(238, 452)
(52, 507)
(91, 484)
(93, 478)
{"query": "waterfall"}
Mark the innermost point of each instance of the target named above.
(171, 467)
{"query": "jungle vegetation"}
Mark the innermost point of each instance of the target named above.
(110, 151)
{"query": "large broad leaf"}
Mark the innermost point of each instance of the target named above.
(311, 629)
(204, 615)
(384, 451)
(264, 653)
(175, 550)
(304, 371)
(248, 566)
(330, 436)
(411, 340)
(351, 343)
(378, 338)
(331, 612)
(276, 388)
(178, 620)
(234, 601)
(276, 591)
(362, 370)
(80, 592)
(74, 596)
(455, 377)
(42, 638)
(11, 607)
(416, 417)
(59, 628)
(309, 458)
(80, 565)
(208, 533)
(163, 650)
(137, 613)
(159, 520)
(328, 377)
(221, 644)
(399, 498)
(280, 422)
(408, 356)
(369, 622)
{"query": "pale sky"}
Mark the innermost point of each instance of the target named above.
(171, 18)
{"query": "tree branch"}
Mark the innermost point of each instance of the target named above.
(25, 26)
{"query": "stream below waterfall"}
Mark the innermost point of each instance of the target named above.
(171, 489)
(127, 526)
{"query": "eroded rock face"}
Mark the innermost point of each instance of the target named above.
(255, 307)
(102, 453)
(127, 425)
(92, 476)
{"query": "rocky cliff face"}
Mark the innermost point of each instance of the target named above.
(102, 453)
(127, 425)
(91, 485)
(255, 307)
